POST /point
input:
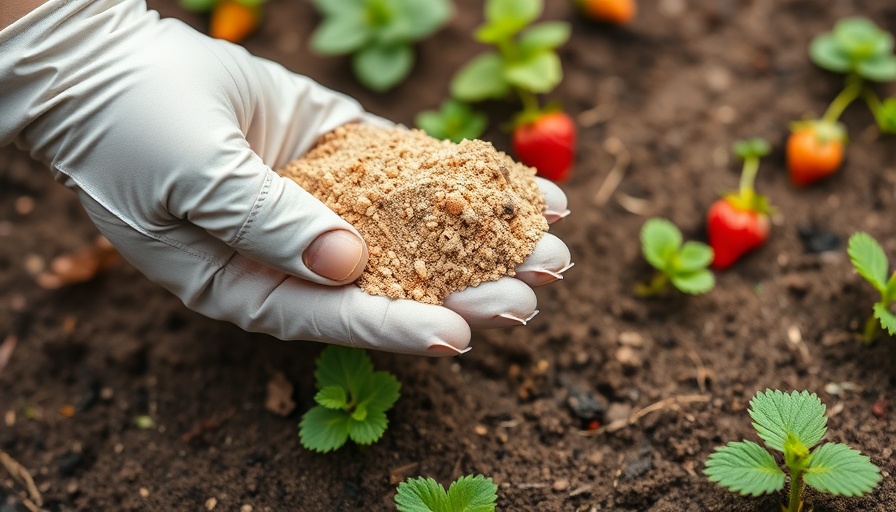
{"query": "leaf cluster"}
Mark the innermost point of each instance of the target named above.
(207, 5)
(856, 45)
(454, 121)
(684, 264)
(379, 35)
(352, 401)
(525, 58)
(870, 262)
(792, 424)
(466, 494)
(756, 147)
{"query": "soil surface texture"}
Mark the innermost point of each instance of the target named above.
(118, 398)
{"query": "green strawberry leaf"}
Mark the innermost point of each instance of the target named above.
(380, 393)
(540, 73)
(693, 256)
(472, 494)
(345, 367)
(522, 12)
(746, 468)
(455, 121)
(331, 8)
(370, 428)
(777, 415)
(323, 430)
(868, 258)
(381, 67)
(467, 494)
(878, 69)
(694, 283)
(543, 36)
(660, 240)
(886, 317)
(481, 79)
(339, 35)
(860, 38)
(331, 397)
(826, 53)
(422, 18)
(752, 148)
(886, 116)
(838, 469)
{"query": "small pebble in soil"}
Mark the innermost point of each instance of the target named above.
(879, 408)
(144, 492)
(246, 508)
(585, 406)
(637, 463)
(561, 485)
(817, 240)
(69, 462)
(211, 503)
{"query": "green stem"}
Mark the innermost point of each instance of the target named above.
(873, 103)
(871, 330)
(530, 102)
(796, 489)
(847, 95)
(748, 176)
(656, 285)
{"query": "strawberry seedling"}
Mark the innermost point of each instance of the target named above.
(870, 262)
(739, 222)
(791, 423)
(231, 20)
(379, 34)
(863, 52)
(352, 401)
(466, 494)
(524, 62)
(684, 265)
(455, 121)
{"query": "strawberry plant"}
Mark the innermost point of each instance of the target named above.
(618, 12)
(863, 52)
(378, 34)
(231, 20)
(870, 262)
(684, 265)
(792, 424)
(739, 222)
(523, 62)
(352, 401)
(466, 494)
(455, 121)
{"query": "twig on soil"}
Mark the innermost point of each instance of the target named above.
(702, 373)
(672, 402)
(616, 148)
(6, 350)
(19, 473)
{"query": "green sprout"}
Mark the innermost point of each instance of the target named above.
(455, 121)
(791, 423)
(868, 258)
(862, 51)
(378, 34)
(466, 494)
(684, 265)
(526, 61)
(352, 401)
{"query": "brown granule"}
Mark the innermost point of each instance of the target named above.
(437, 217)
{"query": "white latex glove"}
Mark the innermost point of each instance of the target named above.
(169, 137)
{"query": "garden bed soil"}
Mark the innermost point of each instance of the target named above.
(665, 98)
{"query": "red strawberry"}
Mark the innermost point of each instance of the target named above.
(739, 222)
(547, 142)
(734, 230)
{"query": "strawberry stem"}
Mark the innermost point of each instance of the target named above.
(748, 177)
(656, 285)
(796, 489)
(847, 95)
(873, 103)
(871, 330)
(530, 103)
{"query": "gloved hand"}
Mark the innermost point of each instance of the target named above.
(169, 137)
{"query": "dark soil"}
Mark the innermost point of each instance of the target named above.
(674, 89)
